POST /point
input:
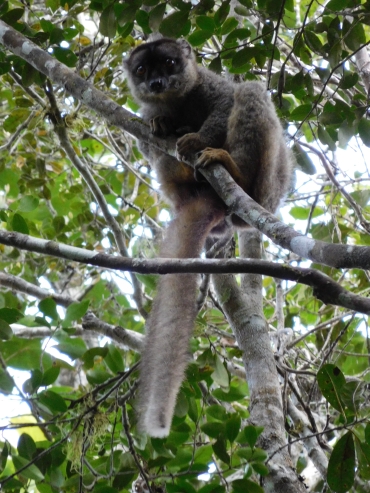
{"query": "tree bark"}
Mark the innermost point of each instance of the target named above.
(243, 309)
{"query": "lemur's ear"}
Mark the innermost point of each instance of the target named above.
(185, 48)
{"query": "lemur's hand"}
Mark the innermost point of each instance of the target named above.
(188, 146)
(161, 126)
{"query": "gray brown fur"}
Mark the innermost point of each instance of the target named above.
(206, 111)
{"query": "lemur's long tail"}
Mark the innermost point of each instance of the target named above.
(171, 322)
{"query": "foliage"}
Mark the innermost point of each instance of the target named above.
(78, 429)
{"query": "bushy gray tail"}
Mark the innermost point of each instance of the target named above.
(171, 322)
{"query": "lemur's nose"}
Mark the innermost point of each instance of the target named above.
(156, 85)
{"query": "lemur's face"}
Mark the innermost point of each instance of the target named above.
(157, 70)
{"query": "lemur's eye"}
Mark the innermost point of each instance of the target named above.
(140, 71)
(170, 62)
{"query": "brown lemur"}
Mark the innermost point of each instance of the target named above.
(217, 121)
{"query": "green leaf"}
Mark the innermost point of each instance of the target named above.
(229, 25)
(5, 67)
(10, 315)
(6, 382)
(4, 456)
(301, 112)
(330, 380)
(348, 80)
(156, 16)
(26, 446)
(219, 448)
(336, 5)
(114, 359)
(53, 401)
(193, 409)
(213, 430)
(125, 13)
(5, 330)
(205, 23)
(299, 213)
(216, 65)
(21, 354)
(97, 376)
(232, 427)
(149, 280)
(245, 453)
(367, 433)
(325, 138)
(341, 468)
(221, 14)
(203, 454)
(251, 435)
(50, 376)
(23, 103)
(363, 456)
(74, 347)
(353, 34)
(49, 308)
(19, 224)
(108, 22)
(350, 395)
(66, 56)
(198, 37)
(217, 412)
(220, 375)
(313, 41)
(142, 18)
(28, 203)
(182, 406)
(364, 131)
(15, 118)
(89, 357)
(260, 468)
(70, 33)
(12, 16)
(56, 36)
(32, 472)
(75, 311)
(234, 394)
(259, 455)
(4, 7)
(243, 56)
(31, 76)
(172, 25)
(345, 134)
(241, 10)
(33, 383)
(53, 5)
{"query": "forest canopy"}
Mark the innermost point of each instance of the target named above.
(276, 396)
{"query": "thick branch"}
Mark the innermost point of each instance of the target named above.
(243, 309)
(324, 287)
(17, 284)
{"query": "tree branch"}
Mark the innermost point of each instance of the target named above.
(323, 286)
